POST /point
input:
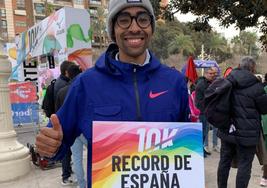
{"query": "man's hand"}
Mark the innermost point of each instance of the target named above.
(49, 139)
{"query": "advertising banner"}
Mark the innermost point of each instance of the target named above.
(46, 36)
(142, 154)
(22, 92)
(12, 57)
(24, 106)
(79, 37)
(25, 113)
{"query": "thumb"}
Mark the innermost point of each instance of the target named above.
(55, 122)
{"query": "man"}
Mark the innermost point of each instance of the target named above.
(215, 146)
(263, 181)
(72, 71)
(60, 83)
(249, 101)
(63, 78)
(202, 84)
(127, 84)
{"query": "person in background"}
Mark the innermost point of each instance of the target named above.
(263, 181)
(249, 101)
(77, 155)
(77, 152)
(215, 146)
(127, 83)
(62, 81)
(201, 86)
(63, 78)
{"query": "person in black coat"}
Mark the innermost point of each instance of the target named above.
(249, 101)
(201, 85)
(71, 72)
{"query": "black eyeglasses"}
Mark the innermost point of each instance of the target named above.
(125, 19)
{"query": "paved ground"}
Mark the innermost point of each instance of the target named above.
(38, 178)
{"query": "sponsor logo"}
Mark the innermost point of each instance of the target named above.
(155, 95)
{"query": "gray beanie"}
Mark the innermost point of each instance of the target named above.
(115, 6)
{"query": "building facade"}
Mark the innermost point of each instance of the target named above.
(16, 17)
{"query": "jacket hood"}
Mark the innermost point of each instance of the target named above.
(242, 78)
(107, 63)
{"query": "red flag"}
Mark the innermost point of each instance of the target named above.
(190, 71)
(227, 72)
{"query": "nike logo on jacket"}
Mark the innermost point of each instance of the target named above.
(155, 95)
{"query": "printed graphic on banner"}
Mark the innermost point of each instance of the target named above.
(25, 113)
(141, 154)
(61, 35)
(79, 36)
(12, 57)
(24, 106)
(22, 92)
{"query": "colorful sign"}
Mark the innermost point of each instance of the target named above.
(12, 57)
(22, 92)
(142, 154)
(62, 35)
(79, 37)
(25, 113)
(23, 98)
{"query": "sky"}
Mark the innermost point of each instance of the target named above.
(228, 33)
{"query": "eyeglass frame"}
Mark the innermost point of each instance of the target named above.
(115, 20)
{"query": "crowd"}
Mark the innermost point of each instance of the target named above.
(116, 89)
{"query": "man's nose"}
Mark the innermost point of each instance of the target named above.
(134, 26)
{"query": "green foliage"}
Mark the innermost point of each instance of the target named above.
(245, 44)
(160, 41)
(242, 13)
(156, 7)
(49, 8)
(180, 44)
(178, 38)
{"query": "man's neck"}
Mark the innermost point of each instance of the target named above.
(141, 60)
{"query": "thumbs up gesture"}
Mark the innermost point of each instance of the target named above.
(49, 139)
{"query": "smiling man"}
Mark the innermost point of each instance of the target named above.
(128, 83)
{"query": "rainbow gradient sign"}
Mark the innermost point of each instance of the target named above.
(147, 155)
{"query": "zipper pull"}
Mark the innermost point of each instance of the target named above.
(134, 70)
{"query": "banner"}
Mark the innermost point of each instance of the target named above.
(22, 92)
(24, 106)
(12, 57)
(79, 37)
(25, 113)
(142, 154)
(60, 35)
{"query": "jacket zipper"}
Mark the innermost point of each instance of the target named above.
(138, 110)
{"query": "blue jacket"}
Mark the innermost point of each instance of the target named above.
(116, 91)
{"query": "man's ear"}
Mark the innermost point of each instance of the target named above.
(66, 74)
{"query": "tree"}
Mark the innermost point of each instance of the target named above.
(159, 44)
(245, 44)
(242, 13)
(180, 44)
(49, 9)
(156, 7)
(217, 45)
(238, 47)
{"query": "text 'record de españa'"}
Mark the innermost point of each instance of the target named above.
(142, 154)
